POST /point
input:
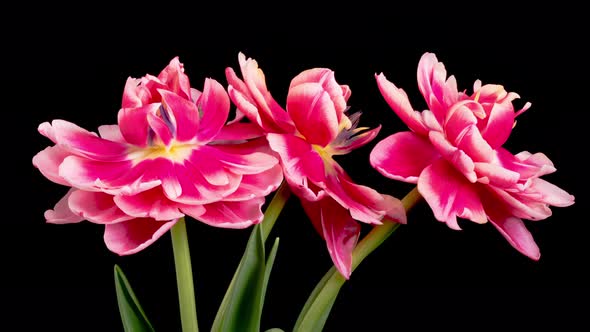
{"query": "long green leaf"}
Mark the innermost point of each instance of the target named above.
(241, 308)
(132, 315)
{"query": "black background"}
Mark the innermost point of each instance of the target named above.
(71, 62)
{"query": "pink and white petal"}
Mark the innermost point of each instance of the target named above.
(134, 125)
(496, 175)
(48, 161)
(184, 115)
(214, 103)
(87, 144)
(400, 104)
(61, 213)
(459, 159)
(46, 130)
(257, 185)
(298, 158)
(403, 156)
(550, 193)
(237, 84)
(240, 214)
(341, 233)
(236, 160)
(498, 127)
(431, 82)
(111, 133)
(239, 131)
(472, 143)
(131, 236)
(162, 131)
(175, 78)
(521, 206)
(355, 142)
(96, 207)
(325, 77)
(458, 118)
(131, 98)
(313, 113)
(148, 204)
(526, 164)
(450, 195)
(249, 109)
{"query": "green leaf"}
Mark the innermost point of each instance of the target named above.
(132, 316)
(241, 307)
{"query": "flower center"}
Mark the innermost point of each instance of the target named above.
(176, 152)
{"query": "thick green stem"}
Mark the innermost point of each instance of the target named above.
(318, 305)
(184, 277)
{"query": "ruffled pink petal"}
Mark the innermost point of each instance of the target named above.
(400, 104)
(61, 213)
(48, 161)
(214, 103)
(239, 131)
(87, 144)
(526, 164)
(298, 158)
(96, 207)
(313, 113)
(496, 175)
(438, 93)
(131, 236)
(450, 195)
(459, 159)
(111, 133)
(162, 130)
(248, 108)
(149, 204)
(237, 158)
(548, 193)
(173, 76)
(131, 98)
(521, 206)
(183, 113)
(46, 130)
(257, 185)
(498, 125)
(325, 77)
(134, 125)
(403, 156)
(240, 214)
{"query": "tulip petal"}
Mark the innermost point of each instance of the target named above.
(298, 158)
(498, 125)
(450, 195)
(325, 77)
(214, 103)
(48, 161)
(403, 156)
(257, 185)
(183, 113)
(149, 204)
(175, 79)
(239, 131)
(61, 213)
(456, 157)
(131, 236)
(96, 207)
(240, 214)
(87, 144)
(550, 193)
(134, 124)
(111, 133)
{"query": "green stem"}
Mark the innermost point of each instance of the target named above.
(318, 305)
(274, 209)
(184, 277)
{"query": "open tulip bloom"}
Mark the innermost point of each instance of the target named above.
(173, 153)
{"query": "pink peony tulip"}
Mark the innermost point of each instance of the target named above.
(314, 128)
(454, 153)
(170, 155)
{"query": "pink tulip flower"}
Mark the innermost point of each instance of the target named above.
(307, 135)
(454, 153)
(170, 155)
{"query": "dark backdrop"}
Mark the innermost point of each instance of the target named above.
(71, 62)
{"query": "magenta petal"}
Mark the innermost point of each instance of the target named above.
(325, 77)
(214, 103)
(550, 193)
(403, 156)
(162, 130)
(341, 233)
(183, 114)
(131, 236)
(237, 159)
(111, 133)
(313, 113)
(298, 158)
(61, 213)
(500, 122)
(459, 159)
(149, 204)
(134, 124)
(48, 161)
(257, 185)
(86, 143)
(496, 175)
(239, 131)
(514, 230)
(450, 195)
(240, 214)
(96, 207)
(400, 104)
(175, 79)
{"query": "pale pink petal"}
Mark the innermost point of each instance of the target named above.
(48, 161)
(173, 76)
(248, 108)
(450, 195)
(87, 144)
(400, 104)
(496, 175)
(498, 125)
(131, 236)
(403, 156)
(233, 214)
(313, 113)
(111, 133)
(131, 98)
(46, 130)
(96, 207)
(514, 230)
(149, 204)
(459, 159)
(183, 113)
(521, 206)
(298, 158)
(475, 146)
(550, 193)
(325, 77)
(526, 164)
(237, 159)
(134, 125)
(237, 84)
(239, 131)
(214, 103)
(61, 213)
(257, 185)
